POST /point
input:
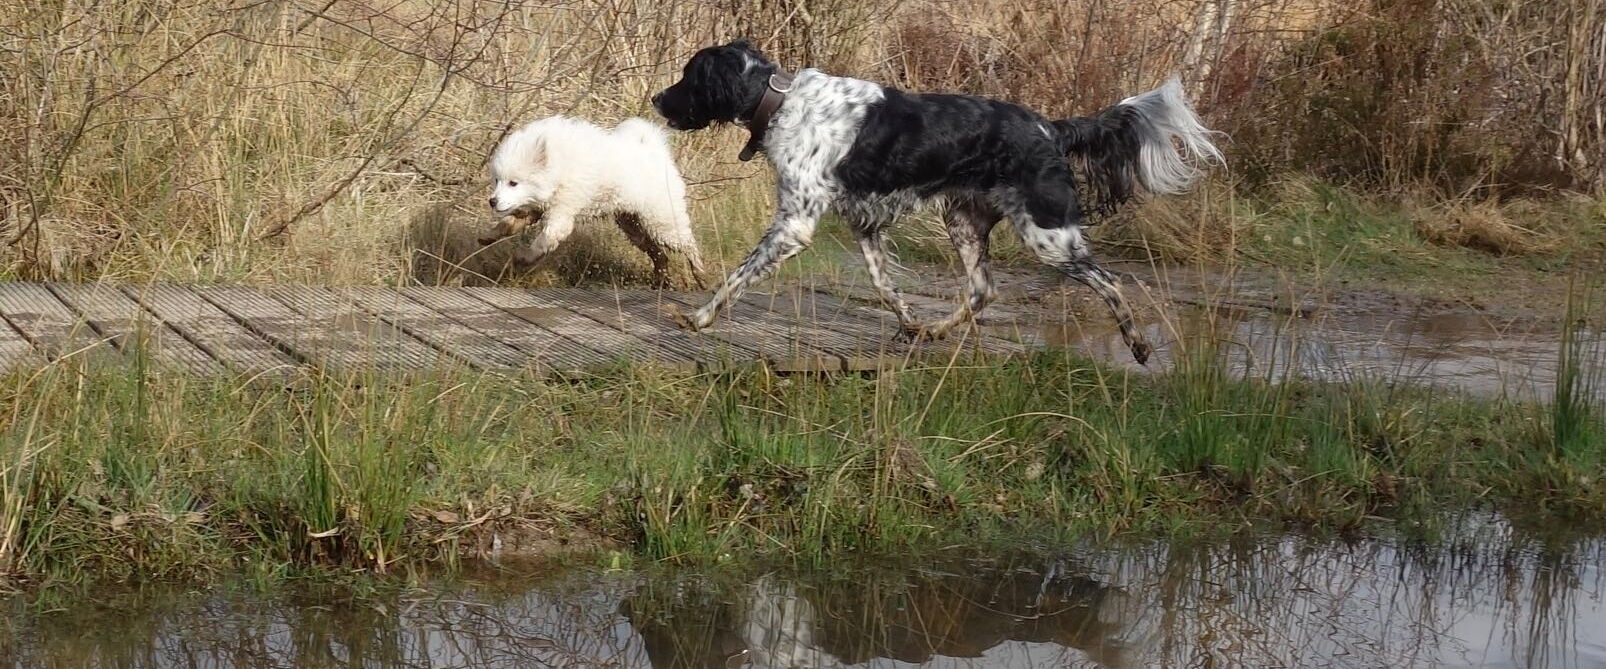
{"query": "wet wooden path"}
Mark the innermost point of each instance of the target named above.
(270, 330)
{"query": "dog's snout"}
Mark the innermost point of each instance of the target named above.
(657, 98)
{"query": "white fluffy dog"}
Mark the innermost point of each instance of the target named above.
(558, 169)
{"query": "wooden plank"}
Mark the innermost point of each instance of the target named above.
(327, 341)
(551, 350)
(15, 351)
(358, 340)
(435, 328)
(809, 348)
(128, 326)
(857, 352)
(256, 331)
(212, 330)
(553, 314)
(860, 347)
(878, 328)
(49, 325)
(642, 314)
(866, 305)
(789, 347)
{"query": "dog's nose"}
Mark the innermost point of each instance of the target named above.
(492, 201)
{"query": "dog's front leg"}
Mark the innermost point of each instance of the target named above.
(505, 227)
(556, 228)
(875, 259)
(789, 234)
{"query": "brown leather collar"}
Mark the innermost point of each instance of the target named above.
(774, 94)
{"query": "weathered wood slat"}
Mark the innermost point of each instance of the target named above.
(15, 351)
(213, 330)
(789, 328)
(789, 347)
(868, 337)
(550, 312)
(357, 339)
(268, 318)
(50, 325)
(332, 338)
(877, 327)
(641, 314)
(551, 350)
(273, 330)
(129, 326)
(865, 302)
(436, 328)
(861, 346)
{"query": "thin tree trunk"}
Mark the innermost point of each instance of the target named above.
(1573, 114)
(1204, 18)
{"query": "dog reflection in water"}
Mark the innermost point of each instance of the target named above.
(1053, 615)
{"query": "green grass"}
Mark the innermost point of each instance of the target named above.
(121, 475)
(1338, 230)
(1315, 232)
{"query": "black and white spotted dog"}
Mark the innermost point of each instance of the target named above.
(870, 152)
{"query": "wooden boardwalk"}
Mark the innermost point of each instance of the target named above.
(272, 330)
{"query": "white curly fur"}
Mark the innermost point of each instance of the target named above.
(558, 170)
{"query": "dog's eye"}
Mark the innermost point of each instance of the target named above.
(512, 184)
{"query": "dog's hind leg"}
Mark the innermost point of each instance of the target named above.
(681, 240)
(630, 223)
(694, 262)
(970, 224)
(1065, 249)
(1046, 220)
(875, 260)
(1105, 284)
(791, 232)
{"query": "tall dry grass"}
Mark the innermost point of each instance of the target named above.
(291, 139)
(344, 140)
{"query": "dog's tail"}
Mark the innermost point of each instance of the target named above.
(643, 131)
(1130, 143)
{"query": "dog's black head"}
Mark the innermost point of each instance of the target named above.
(719, 84)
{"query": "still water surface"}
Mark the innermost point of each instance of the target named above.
(1488, 597)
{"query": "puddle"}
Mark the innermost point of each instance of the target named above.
(1264, 332)
(1266, 328)
(1491, 597)
(1460, 351)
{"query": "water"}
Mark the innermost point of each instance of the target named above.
(1272, 330)
(1491, 597)
(1453, 351)
(1361, 337)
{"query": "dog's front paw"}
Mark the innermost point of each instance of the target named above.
(1141, 350)
(912, 334)
(525, 259)
(919, 333)
(680, 319)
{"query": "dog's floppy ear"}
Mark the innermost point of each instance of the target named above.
(745, 46)
(751, 57)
